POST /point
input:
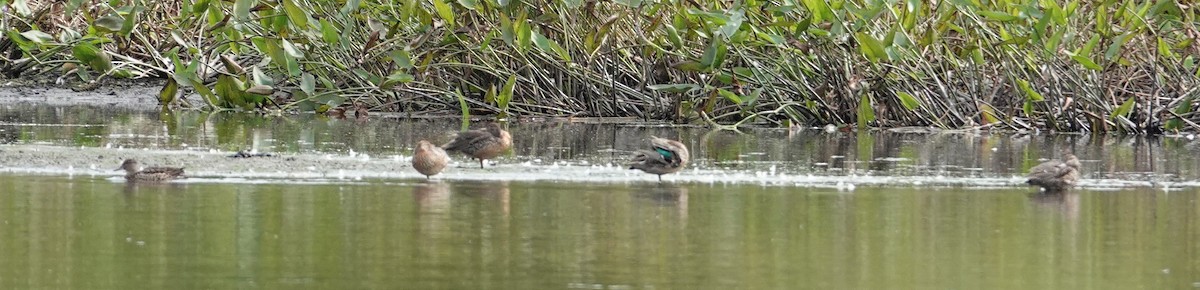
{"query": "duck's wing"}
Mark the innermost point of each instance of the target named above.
(465, 140)
(670, 150)
(1049, 169)
(167, 171)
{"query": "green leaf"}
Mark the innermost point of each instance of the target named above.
(673, 36)
(37, 36)
(988, 114)
(714, 55)
(1183, 108)
(401, 58)
(351, 6)
(206, 93)
(22, 8)
(261, 78)
(630, 3)
(469, 4)
(508, 31)
(870, 47)
(109, 23)
(230, 91)
(732, 97)
(168, 92)
(466, 110)
(820, 10)
(1124, 109)
(444, 11)
(908, 100)
(130, 19)
(396, 78)
(674, 88)
(93, 56)
(524, 35)
(691, 66)
(1028, 108)
(998, 16)
(733, 23)
(295, 14)
(1115, 47)
(550, 46)
(1086, 50)
(308, 83)
(1164, 49)
(1030, 94)
(241, 8)
(291, 49)
(1086, 62)
(506, 94)
(866, 113)
(573, 3)
(329, 33)
(200, 7)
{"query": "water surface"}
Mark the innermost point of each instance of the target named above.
(338, 207)
(92, 233)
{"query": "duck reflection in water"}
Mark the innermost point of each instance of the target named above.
(1065, 203)
(432, 197)
(666, 195)
(495, 190)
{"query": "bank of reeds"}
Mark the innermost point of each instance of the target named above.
(1127, 66)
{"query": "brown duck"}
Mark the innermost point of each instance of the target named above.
(134, 173)
(483, 143)
(1055, 175)
(428, 159)
(667, 156)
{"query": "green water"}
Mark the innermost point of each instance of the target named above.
(92, 233)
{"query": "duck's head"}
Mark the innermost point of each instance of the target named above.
(494, 129)
(1071, 160)
(129, 165)
(424, 145)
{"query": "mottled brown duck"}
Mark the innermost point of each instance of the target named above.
(666, 156)
(428, 159)
(134, 172)
(483, 143)
(1055, 175)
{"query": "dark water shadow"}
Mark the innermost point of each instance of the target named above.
(1065, 203)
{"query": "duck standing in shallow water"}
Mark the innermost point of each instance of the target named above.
(1055, 175)
(483, 143)
(667, 156)
(428, 159)
(151, 174)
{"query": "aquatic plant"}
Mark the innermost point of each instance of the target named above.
(1109, 65)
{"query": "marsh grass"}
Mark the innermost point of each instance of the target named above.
(1126, 66)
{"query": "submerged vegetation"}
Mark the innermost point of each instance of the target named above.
(1109, 65)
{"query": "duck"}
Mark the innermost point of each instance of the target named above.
(428, 159)
(133, 172)
(667, 156)
(482, 143)
(1055, 175)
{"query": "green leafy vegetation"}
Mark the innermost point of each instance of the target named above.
(1109, 65)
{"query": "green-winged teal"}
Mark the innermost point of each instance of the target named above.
(1055, 175)
(667, 156)
(150, 174)
(428, 159)
(483, 143)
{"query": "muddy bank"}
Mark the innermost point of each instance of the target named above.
(124, 94)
